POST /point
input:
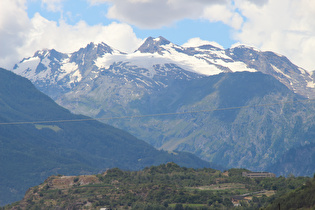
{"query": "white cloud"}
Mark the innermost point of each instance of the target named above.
(21, 36)
(154, 14)
(52, 5)
(283, 26)
(225, 14)
(196, 42)
(14, 26)
(67, 38)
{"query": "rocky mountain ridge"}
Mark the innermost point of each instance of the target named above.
(158, 58)
(161, 77)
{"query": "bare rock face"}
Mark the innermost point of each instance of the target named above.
(294, 77)
(152, 45)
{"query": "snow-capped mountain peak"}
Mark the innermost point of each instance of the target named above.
(239, 45)
(153, 45)
(91, 52)
(158, 59)
(42, 66)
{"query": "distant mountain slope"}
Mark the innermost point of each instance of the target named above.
(31, 149)
(297, 160)
(100, 81)
(266, 122)
(301, 198)
(161, 77)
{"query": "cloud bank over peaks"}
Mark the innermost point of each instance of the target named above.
(21, 36)
(225, 14)
(68, 38)
(14, 26)
(197, 42)
(153, 14)
(283, 26)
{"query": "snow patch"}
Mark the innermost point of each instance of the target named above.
(236, 66)
(141, 60)
(310, 84)
(67, 67)
(46, 62)
(27, 68)
(214, 53)
(143, 81)
(303, 71)
(239, 45)
(157, 39)
(204, 63)
(70, 68)
(190, 63)
(76, 77)
(279, 71)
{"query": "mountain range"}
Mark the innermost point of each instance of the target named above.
(156, 63)
(238, 107)
(39, 138)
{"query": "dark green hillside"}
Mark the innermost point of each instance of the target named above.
(30, 152)
(301, 198)
(164, 187)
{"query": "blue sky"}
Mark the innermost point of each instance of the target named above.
(283, 26)
(179, 32)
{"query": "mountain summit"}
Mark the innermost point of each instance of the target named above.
(160, 55)
(153, 45)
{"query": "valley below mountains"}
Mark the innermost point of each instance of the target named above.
(237, 107)
(169, 187)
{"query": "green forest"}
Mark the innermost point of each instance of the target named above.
(169, 186)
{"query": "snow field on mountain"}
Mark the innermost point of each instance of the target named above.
(163, 58)
(70, 68)
(27, 68)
